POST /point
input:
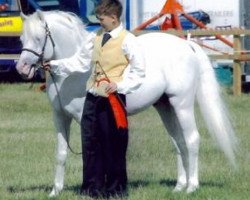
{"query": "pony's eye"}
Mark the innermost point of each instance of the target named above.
(38, 39)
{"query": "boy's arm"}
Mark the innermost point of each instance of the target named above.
(79, 62)
(133, 78)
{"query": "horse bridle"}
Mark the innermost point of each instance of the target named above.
(41, 55)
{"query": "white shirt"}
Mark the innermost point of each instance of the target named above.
(133, 75)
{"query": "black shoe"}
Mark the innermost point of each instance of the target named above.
(121, 193)
(118, 195)
(93, 193)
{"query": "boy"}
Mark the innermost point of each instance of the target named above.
(104, 145)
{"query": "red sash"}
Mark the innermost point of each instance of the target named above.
(119, 111)
(117, 107)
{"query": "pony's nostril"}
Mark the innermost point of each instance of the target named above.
(24, 65)
(33, 65)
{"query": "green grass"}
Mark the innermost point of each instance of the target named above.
(28, 140)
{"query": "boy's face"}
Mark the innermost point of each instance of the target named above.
(108, 22)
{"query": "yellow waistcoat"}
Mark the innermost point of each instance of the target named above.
(108, 58)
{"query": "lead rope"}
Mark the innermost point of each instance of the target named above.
(61, 106)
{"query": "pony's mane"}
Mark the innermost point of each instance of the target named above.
(33, 25)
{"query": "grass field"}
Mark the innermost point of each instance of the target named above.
(27, 153)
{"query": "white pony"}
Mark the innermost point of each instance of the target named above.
(177, 71)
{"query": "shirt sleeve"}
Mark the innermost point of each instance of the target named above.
(135, 72)
(79, 62)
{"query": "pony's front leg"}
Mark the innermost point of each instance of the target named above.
(62, 124)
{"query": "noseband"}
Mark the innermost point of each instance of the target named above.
(41, 55)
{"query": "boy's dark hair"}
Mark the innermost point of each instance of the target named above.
(109, 7)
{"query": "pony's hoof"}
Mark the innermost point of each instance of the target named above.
(54, 193)
(180, 187)
(192, 188)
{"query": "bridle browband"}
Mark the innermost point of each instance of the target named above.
(41, 55)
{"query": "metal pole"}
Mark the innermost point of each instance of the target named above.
(128, 14)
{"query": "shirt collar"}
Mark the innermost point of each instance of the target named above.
(115, 32)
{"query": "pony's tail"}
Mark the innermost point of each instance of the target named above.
(213, 108)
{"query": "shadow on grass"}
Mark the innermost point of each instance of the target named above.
(15, 189)
(133, 184)
(72, 188)
(144, 183)
(212, 184)
(45, 188)
(138, 183)
(172, 183)
(168, 182)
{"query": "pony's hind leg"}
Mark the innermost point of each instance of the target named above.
(181, 126)
(170, 121)
(62, 124)
(186, 121)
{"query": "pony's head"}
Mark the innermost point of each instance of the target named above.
(38, 44)
(50, 35)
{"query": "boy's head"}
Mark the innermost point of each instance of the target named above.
(109, 13)
(109, 8)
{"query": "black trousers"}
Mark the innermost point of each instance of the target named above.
(104, 149)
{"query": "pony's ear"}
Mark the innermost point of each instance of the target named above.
(40, 15)
(23, 16)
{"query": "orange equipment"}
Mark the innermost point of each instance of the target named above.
(174, 8)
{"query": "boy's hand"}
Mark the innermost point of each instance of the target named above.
(111, 88)
(46, 66)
